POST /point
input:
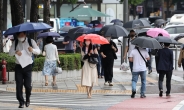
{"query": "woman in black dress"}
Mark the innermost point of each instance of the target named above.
(108, 52)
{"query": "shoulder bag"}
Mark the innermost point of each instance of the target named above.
(147, 64)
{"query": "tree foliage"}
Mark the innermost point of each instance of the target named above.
(133, 2)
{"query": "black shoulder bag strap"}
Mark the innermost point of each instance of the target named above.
(142, 56)
(128, 44)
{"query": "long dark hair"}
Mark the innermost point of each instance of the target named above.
(84, 47)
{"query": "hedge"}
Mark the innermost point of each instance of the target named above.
(68, 62)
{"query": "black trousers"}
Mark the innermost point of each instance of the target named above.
(23, 77)
(69, 51)
(108, 69)
(168, 80)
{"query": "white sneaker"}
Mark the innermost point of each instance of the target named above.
(110, 84)
(106, 83)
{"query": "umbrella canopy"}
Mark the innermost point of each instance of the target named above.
(118, 23)
(66, 28)
(159, 21)
(180, 38)
(113, 31)
(96, 39)
(142, 32)
(45, 34)
(162, 39)
(139, 23)
(78, 31)
(146, 42)
(28, 27)
(115, 20)
(154, 32)
(86, 12)
(95, 22)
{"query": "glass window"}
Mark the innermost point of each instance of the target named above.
(180, 29)
(170, 30)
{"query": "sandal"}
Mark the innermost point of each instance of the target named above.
(53, 84)
(46, 84)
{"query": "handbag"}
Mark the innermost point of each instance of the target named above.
(58, 69)
(147, 64)
(93, 60)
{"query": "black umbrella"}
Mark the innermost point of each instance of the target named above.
(159, 22)
(139, 23)
(95, 22)
(146, 42)
(118, 23)
(78, 31)
(142, 32)
(180, 38)
(116, 20)
(113, 31)
(162, 39)
(72, 33)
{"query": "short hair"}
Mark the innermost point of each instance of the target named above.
(160, 34)
(49, 39)
(132, 31)
(166, 44)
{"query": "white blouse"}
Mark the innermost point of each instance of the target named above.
(51, 52)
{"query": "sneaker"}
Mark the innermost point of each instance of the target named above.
(110, 84)
(106, 83)
(150, 71)
(161, 93)
(168, 95)
(133, 94)
(143, 96)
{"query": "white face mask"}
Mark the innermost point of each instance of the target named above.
(21, 39)
(87, 42)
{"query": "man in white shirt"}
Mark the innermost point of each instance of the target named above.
(6, 44)
(129, 47)
(139, 68)
(23, 75)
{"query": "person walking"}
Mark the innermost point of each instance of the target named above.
(89, 71)
(130, 47)
(108, 52)
(23, 75)
(149, 61)
(181, 58)
(99, 65)
(69, 45)
(165, 67)
(40, 43)
(51, 60)
(139, 56)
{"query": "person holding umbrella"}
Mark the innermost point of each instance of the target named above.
(23, 74)
(108, 52)
(165, 67)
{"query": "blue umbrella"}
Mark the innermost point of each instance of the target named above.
(115, 20)
(45, 34)
(28, 27)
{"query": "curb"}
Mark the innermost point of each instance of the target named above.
(179, 106)
(80, 90)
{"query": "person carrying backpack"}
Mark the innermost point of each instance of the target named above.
(23, 75)
(130, 47)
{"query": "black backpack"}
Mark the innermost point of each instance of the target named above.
(30, 44)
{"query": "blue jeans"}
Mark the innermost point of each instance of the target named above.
(131, 65)
(135, 76)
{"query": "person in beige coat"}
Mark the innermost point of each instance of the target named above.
(89, 71)
(181, 58)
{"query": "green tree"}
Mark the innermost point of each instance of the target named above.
(133, 3)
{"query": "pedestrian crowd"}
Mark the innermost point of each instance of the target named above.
(97, 62)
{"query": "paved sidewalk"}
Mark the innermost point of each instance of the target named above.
(121, 80)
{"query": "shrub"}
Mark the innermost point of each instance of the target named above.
(68, 62)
